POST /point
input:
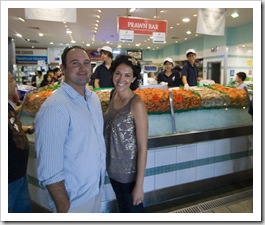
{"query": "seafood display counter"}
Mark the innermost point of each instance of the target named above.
(190, 150)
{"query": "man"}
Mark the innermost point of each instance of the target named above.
(19, 200)
(37, 79)
(70, 145)
(189, 72)
(102, 73)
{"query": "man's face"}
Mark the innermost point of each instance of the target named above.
(78, 68)
(104, 55)
(191, 58)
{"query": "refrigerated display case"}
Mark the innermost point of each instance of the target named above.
(210, 147)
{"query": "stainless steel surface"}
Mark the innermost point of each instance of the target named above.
(172, 112)
(198, 136)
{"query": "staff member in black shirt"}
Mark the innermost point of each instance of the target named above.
(102, 73)
(189, 72)
(170, 76)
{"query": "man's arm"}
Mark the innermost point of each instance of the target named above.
(59, 196)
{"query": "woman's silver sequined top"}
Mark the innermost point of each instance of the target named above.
(121, 143)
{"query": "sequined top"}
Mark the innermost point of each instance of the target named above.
(121, 143)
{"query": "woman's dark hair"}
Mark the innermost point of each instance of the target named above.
(242, 75)
(129, 61)
(45, 77)
(66, 50)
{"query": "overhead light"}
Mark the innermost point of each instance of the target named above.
(185, 20)
(188, 32)
(51, 43)
(21, 19)
(68, 32)
(132, 9)
(73, 41)
(235, 15)
(116, 51)
(40, 34)
(88, 45)
(19, 35)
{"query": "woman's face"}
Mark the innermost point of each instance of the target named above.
(123, 77)
(168, 66)
(49, 79)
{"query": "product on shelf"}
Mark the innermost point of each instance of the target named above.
(157, 100)
(35, 99)
(104, 97)
(238, 97)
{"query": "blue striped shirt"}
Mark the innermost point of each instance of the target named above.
(70, 144)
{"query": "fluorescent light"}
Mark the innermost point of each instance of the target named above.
(19, 35)
(21, 19)
(186, 20)
(235, 15)
(132, 9)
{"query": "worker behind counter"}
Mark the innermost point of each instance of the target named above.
(102, 73)
(168, 75)
(189, 72)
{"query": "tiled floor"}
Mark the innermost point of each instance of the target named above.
(229, 199)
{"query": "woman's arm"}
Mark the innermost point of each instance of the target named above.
(141, 122)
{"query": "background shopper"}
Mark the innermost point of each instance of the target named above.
(37, 79)
(69, 140)
(240, 77)
(126, 135)
(47, 79)
(19, 200)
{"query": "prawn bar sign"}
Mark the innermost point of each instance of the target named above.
(142, 26)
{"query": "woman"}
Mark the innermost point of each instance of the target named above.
(126, 135)
(47, 79)
(170, 76)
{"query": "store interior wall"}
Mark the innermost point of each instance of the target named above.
(232, 57)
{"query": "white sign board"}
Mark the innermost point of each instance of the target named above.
(126, 35)
(52, 14)
(159, 37)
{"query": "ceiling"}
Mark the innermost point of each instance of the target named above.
(83, 31)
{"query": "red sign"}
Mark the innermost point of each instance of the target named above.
(142, 26)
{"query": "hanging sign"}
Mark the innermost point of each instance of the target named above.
(51, 14)
(211, 21)
(126, 35)
(159, 37)
(141, 25)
